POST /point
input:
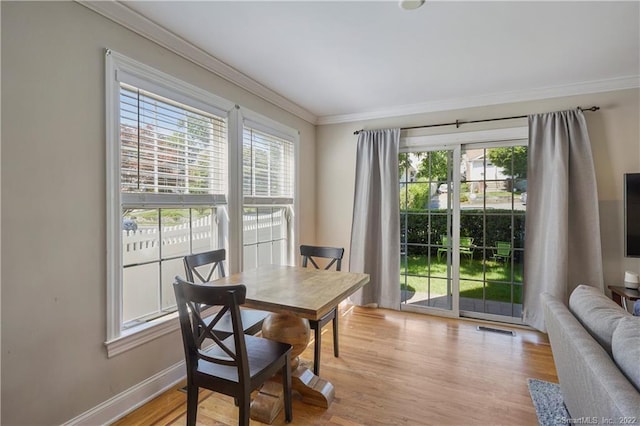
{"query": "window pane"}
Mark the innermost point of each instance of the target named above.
(279, 252)
(140, 291)
(250, 226)
(265, 216)
(267, 165)
(498, 229)
(278, 225)
(518, 230)
(250, 257)
(264, 254)
(472, 226)
(182, 231)
(270, 237)
(268, 179)
(204, 230)
(167, 147)
(498, 196)
(176, 232)
(170, 269)
(140, 240)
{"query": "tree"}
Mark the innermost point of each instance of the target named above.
(434, 166)
(512, 159)
(415, 196)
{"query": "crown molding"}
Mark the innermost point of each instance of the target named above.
(130, 19)
(596, 86)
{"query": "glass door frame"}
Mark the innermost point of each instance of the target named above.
(454, 142)
(453, 261)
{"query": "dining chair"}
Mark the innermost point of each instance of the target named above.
(466, 247)
(502, 251)
(201, 268)
(445, 249)
(234, 365)
(309, 255)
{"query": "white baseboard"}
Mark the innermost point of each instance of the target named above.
(122, 404)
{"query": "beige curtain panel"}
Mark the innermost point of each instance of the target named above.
(375, 231)
(562, 231)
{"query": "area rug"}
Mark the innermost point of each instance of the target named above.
(547, 399)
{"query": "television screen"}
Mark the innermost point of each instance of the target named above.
(632, 214)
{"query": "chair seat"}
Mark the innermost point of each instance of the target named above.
(261, 353)
(251, 321)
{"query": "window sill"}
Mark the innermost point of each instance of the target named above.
(141, 334)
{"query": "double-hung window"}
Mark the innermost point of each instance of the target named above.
(167, 187)
(268, 195)
(187, 172)
(172, 186)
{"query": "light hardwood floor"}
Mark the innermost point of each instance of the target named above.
(398, 368)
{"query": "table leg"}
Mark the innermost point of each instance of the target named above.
(290, 329)
(616, 298)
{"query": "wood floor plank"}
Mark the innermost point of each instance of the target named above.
(399, 368)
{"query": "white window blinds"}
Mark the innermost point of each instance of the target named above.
(169, 148)
(268, 167)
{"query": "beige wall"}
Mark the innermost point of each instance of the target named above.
(615, 140)
(54, 364)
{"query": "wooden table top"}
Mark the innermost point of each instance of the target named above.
(305, 292)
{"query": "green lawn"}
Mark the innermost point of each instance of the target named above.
(476, 276)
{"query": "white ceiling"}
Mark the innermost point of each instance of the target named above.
(335, 61)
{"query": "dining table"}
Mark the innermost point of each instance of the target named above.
(293, 295)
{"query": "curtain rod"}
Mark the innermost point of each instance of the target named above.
(458, 123)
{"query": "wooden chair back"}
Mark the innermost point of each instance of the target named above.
(203, 265)
(195, 329)
(223, 366)
(311, 253)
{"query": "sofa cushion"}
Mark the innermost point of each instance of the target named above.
(598, 314)
(625, 346)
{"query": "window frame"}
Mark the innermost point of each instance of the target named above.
(119, 68)
(455, 141)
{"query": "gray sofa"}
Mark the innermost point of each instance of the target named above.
(596, 349)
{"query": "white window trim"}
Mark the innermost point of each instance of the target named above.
(120, 68)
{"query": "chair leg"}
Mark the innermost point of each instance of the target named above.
(336, 352)
(244, 409)
(316, 351)
(192, 404)
(286, 387)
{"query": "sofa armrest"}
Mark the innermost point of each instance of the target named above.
(592, 386)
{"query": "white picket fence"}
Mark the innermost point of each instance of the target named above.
(141, 292)
(143, 244)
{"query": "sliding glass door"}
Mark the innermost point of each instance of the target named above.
(462, 229)
(492, 216)
(426, 217)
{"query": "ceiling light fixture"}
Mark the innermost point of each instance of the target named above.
(410, 4)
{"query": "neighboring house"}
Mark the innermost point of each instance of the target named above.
(478, 170)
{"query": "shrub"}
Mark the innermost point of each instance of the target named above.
(420, 230)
